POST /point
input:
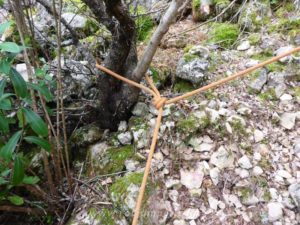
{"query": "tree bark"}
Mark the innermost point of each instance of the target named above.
(117, 99)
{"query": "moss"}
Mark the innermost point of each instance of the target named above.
(238, 127)
(113, 160)
(268, 95)
(224, 34)
(183, 86)
(137, 123)
(187, 48)
(296, 92)
(121, 184)
(265, 163)
(285, 24)
(144, 23)
(189, 57)
(119, 191)
(222, 3)
(192, 124)
(273, 67)
(254, 38)
(245, 193)
(196, 4)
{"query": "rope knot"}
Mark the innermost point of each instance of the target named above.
(159, 102)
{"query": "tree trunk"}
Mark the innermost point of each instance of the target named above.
(117, 99)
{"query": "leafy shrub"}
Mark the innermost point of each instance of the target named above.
(18, 122)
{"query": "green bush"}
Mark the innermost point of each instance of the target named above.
(18, 122)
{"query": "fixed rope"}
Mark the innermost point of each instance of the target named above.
(159, 102)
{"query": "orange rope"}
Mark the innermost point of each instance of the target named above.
(159, 102)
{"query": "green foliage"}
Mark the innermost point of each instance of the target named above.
(196, 4)
(18, 122)
(224, 34)
(144, 23)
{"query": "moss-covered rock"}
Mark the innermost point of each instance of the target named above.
(254, 15)
(224, 34)
(193, 122)
(106, 160)
(125, 190)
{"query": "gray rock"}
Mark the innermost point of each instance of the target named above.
(191, 214)
(191, 179)
(140, 109)
(258, 135)
(294, 191)
(74, 20)
(77, 79)
(286, 97)
(288, 120)
(214, 175)
(179, 222)
(125, 138)
(257, 171)
(244, 162)
(194, 71)
(284, 50)
(259, 82)
(222, 158)
(245, 45)
(275, 211)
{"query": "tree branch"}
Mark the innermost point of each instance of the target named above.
(163, 27)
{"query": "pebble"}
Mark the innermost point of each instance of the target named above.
(125, 138)
(214, 175)
(191, 179)
(288, 120)
(244, 162)
(222, 158)
(284, 174)
(257, 171)
(245, 45)
(191, 214)
(274, 211)
(179, 222)
(286, 97)
(258, 135)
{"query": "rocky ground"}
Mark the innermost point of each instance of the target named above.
(228, 156)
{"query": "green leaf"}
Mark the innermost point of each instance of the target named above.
(16, 200)
(3, 124)
(31, 180)
(39, 141)
(5, 104)
(7, 150)
(18, 83)
(3, 181)
(21, 118)
(2, 86)
(43, 90)
(10, 47)
(35, 122)
(5, 25)
(18, 172)
(4, 66)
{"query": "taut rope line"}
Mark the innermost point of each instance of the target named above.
(159, 103)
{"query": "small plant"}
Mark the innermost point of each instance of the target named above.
(20, 125)
(224, 34)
